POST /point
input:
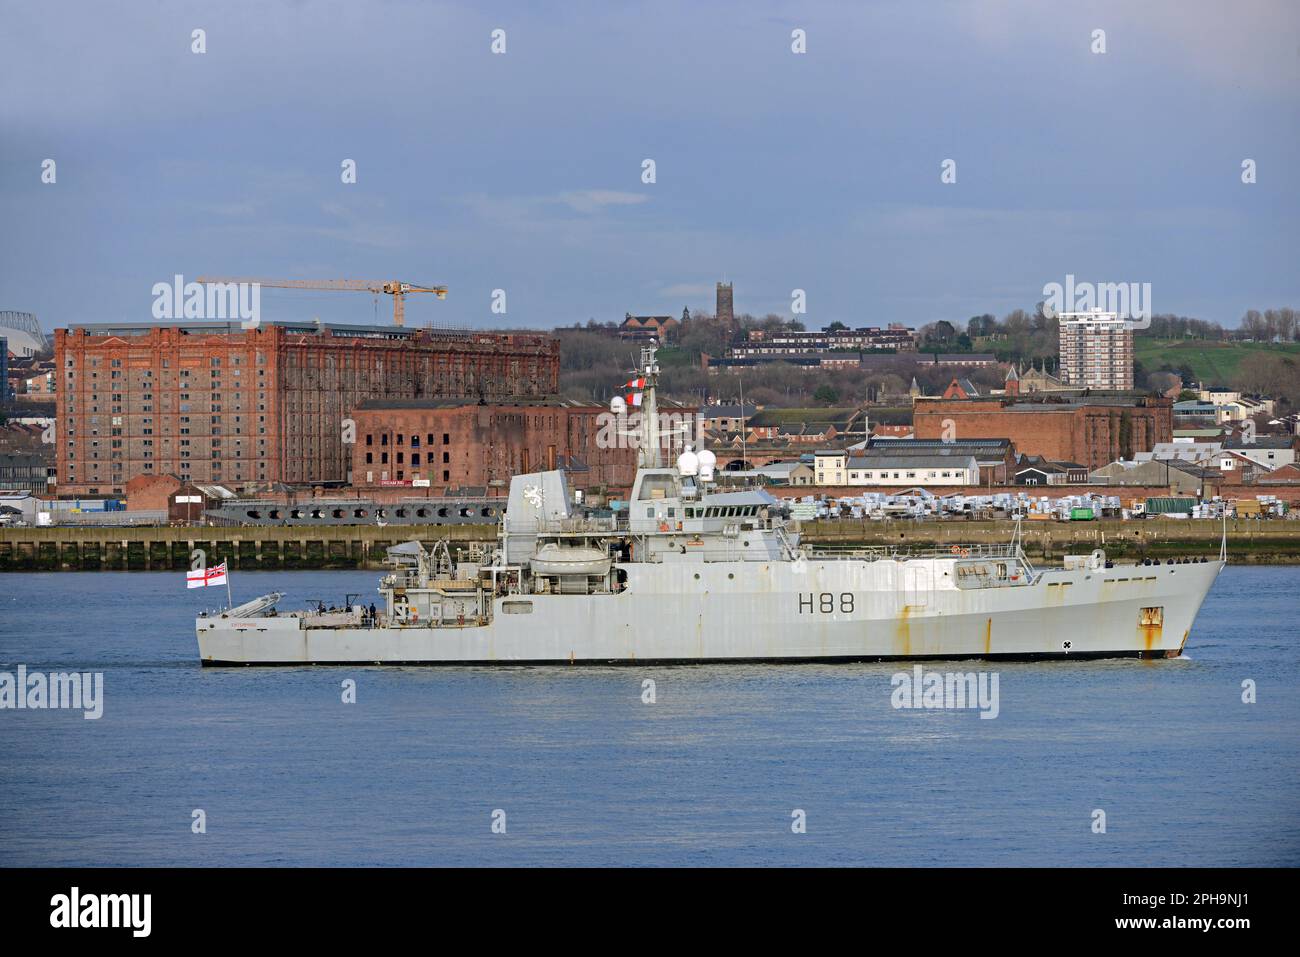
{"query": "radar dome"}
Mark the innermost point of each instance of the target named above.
(688, 463)
(617, 405)
(706, 460)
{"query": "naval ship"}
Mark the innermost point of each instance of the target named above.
(694, 574)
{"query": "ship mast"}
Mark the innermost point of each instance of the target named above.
(650, 453)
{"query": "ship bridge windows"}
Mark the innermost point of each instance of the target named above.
(657, 486)
(730, 511)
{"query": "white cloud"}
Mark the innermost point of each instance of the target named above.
(594, 200)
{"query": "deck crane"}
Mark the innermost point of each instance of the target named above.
(394, 288)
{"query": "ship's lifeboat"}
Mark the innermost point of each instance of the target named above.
(555, 559)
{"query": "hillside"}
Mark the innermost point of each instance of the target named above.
(1214, 363)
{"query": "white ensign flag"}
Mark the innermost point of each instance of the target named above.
(202, 577)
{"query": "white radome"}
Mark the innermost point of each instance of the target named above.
(707, 462)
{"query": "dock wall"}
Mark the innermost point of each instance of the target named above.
(325, 547)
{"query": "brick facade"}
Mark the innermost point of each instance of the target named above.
(1090, 433)
(455, 445)
(214, 403)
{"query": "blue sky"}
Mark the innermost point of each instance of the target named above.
(774, 170)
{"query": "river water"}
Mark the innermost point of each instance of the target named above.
(585, 771)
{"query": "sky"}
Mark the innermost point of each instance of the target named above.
(523, 171)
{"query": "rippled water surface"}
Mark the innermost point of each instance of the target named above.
(587, 773)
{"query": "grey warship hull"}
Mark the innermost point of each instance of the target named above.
(735, 612)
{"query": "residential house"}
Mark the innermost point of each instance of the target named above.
(645, 328)
(724, 417)
(829, 466)
(1269, 451)
(808, 426)
(965, 359)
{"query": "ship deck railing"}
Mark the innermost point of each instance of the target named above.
(581, 526)
(876, 552)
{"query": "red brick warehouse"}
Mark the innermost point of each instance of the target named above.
(212, 402)
(1093, 430)
(452, 444)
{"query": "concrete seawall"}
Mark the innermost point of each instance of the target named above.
(168, 549)
(1275, 542)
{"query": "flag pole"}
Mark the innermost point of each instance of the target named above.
(230, 602)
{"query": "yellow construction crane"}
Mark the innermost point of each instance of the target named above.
(397, 290)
